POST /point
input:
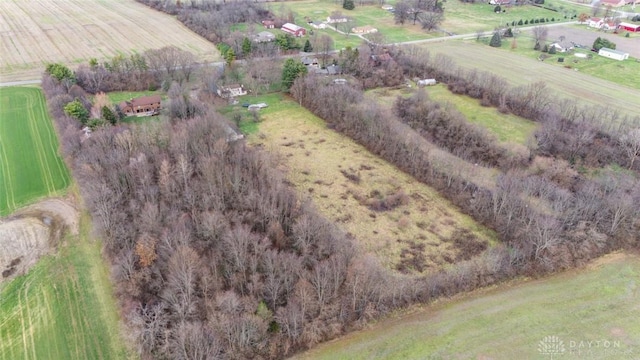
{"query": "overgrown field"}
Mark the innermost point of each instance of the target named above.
(519, 70)
(593, 311)
(72, 31)
(63, 308)
(406, 224)
(30, 164)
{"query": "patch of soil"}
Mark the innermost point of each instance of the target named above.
(31, 232)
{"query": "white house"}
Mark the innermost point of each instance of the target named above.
(613, 54)
(599, 23)
(318, 25)
(264, 36)
(233, 90)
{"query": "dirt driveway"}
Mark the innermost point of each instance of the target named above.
(586, 36)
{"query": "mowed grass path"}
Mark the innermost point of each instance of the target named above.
(600, 303)
(30, 164)
(63, 308)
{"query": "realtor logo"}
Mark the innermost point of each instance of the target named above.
(551, 345)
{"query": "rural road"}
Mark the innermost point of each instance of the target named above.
(18, 83)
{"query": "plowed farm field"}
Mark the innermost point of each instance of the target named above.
(34, 33)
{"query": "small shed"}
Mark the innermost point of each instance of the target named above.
(269, 24)
(613, 54)
(427, 82)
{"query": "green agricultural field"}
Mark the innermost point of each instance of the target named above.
(63, 308)
(30, 164)
(592, 312)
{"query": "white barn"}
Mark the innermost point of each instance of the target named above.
(613, 54)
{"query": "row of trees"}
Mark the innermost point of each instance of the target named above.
(572, 218)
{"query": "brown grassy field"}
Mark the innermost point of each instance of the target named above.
(346, 183)
(519, 70)
(33, 33)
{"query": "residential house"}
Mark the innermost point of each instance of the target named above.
(562, 46)
(264, 36)
(387, 7)
(294, 29)
(230, 91)
(142, 106)
(334, 19)
(367, 29)
(318, 25)
(310, 62)
(269, 24)
(613, 54)
(602, 24)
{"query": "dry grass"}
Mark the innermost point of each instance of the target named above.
(34, 33)
(404, 223)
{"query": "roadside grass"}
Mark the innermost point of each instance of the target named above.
(346, 183)
(30, 164)
(594, 304)
(506, 127)
(522, 70)
(64, 307)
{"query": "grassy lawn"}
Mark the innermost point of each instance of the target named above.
(463, 18)
(599, 303)
(506, 127)
(343, 179)
(63, 308)
(30, 165)
(117, 97)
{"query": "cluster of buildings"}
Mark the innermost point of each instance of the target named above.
(298, 31)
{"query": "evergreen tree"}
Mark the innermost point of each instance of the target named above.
(552, 50)
(291, 70)
(348, 5)
(520, 22)
(246, 47)
(495, 40)
(307, 46)
(230, 56)
(109, 116)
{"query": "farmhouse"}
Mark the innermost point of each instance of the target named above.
(367, 29)
(264, 36)
(613, 54)
(233, 90)
(293, 29)
(269, 24)
(562, 46)
(602, 24)
(629, 27)
(142, 106)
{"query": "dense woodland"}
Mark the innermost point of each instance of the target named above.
(213, 254)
